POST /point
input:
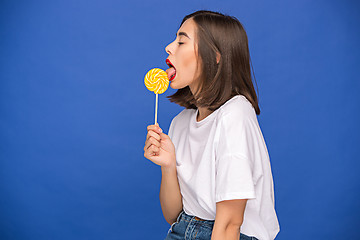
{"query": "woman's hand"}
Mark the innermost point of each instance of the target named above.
(159, 148)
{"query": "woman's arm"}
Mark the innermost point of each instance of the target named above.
(170, 196)
(228, 219)
(160, 150)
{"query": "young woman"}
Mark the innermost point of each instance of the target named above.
(216, 175)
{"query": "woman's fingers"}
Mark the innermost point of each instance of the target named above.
(155, 128)
(163, 136)
(151, 151)
(151, 141)
(153, 134)
(154, 150)
(153, 137)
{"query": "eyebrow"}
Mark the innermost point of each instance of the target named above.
(183, 34)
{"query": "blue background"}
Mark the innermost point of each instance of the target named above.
(74, 111)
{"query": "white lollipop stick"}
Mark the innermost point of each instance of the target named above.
(156, 108)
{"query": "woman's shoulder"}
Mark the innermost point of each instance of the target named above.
(238, 107)
(183, 115)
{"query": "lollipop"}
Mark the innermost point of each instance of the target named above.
(157, 81)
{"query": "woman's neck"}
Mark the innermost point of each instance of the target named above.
(203, 113)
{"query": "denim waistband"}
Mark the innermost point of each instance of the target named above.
(205, 223)
(188, 218)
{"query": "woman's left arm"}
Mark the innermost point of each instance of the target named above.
(228, 219)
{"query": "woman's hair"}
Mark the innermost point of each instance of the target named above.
(219, 34)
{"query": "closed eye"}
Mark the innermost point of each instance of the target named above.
(180, 43)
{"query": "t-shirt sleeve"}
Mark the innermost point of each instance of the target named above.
(170, 132)
(234, 163)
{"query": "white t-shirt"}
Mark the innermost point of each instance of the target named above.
(224, 157)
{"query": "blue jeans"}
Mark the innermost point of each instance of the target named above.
(187, 227)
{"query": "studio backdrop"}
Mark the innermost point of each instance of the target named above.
(74, 111)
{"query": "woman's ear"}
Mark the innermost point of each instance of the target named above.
(218, 56)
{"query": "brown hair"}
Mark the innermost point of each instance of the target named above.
(219, 82)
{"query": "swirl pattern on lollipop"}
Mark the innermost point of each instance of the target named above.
(156, 80)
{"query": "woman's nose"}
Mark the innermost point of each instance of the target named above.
(167, 49)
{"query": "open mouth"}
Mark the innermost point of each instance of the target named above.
(171, 71)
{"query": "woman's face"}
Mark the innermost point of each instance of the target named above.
(183, 56)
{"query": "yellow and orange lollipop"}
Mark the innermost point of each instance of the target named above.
(157, 81)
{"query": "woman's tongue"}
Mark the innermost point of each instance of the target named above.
(170, 71)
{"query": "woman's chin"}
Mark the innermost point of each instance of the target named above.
(176, 84)
(173, 85)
